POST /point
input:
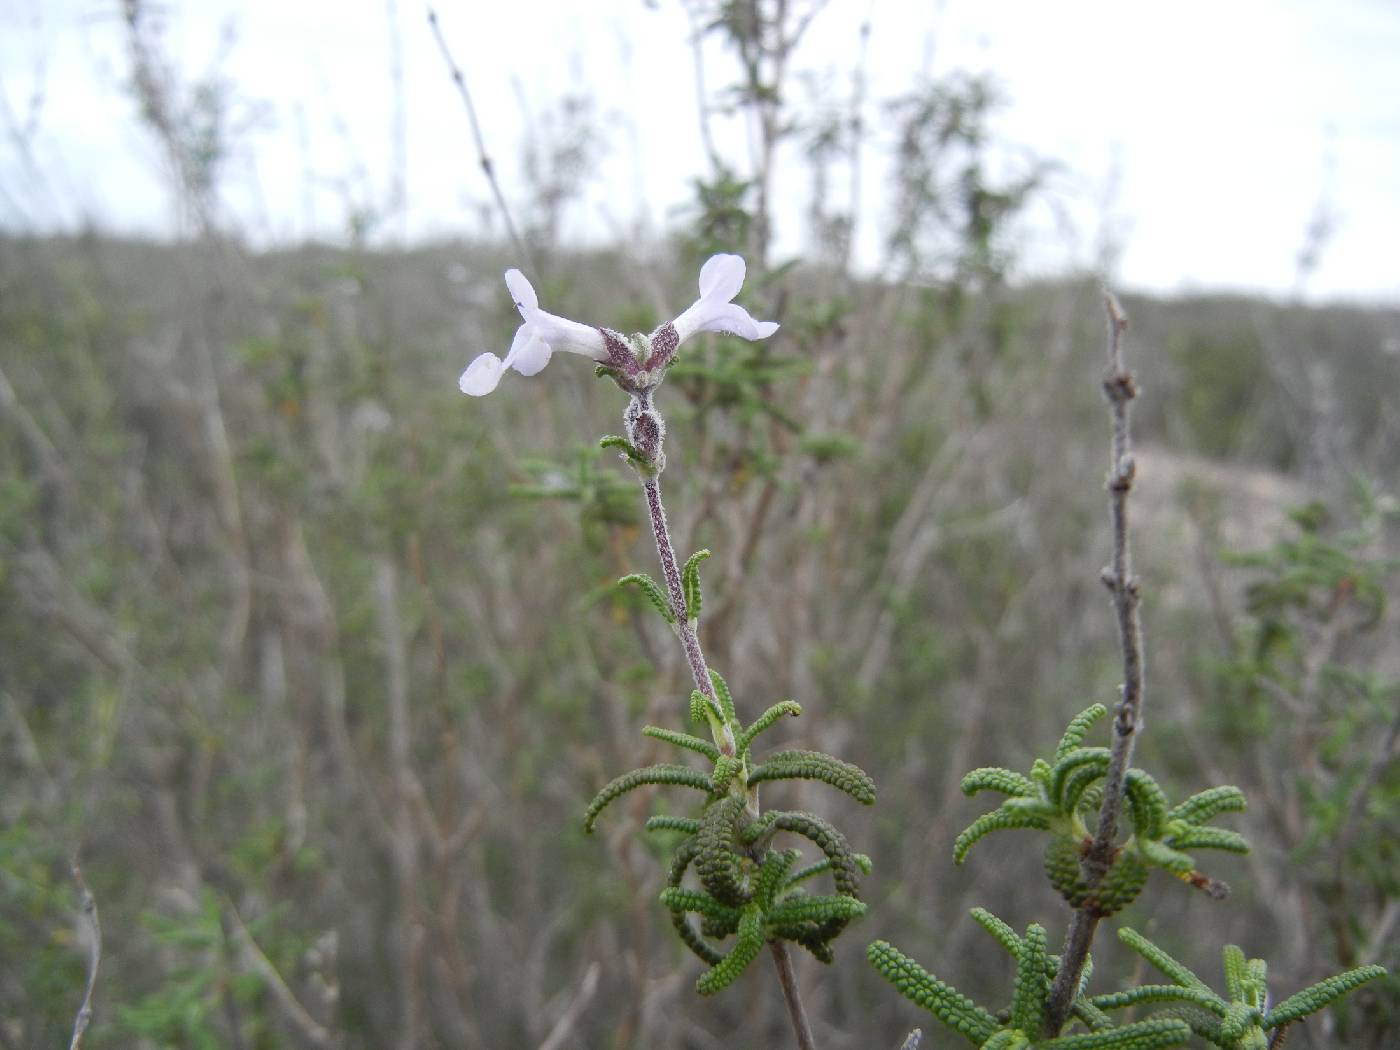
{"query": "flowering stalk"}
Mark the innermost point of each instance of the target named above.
(748, 890)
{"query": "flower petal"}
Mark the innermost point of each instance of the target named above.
(722, 317)
(721, 277)
(522, 291)
(532, 356)
(481, 375)
(573, 336)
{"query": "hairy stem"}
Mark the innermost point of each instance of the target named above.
(647, 431)
(1119, 388)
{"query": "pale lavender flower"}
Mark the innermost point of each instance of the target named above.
(640, 359)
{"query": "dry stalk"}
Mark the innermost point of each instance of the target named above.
(1119, 388)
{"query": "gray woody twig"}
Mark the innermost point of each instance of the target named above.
(1119, 388)
(94, 929)
(483, 158)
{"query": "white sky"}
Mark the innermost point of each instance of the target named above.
(1201, 136)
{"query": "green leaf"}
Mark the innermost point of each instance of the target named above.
(812, 870)
(1004, 934)
(726, 701)
(1210, 838)
(1207, 804)
(1147, 804)
(653, 592)
(1086, 758)
(994, 778)
(683, 776)
(1155, 993)
(765, 720)
(727, 767)
(745, 950)
(845, 871)
(689, 825)
(698, 708)
(694, 743)
(1178, 972)
(680, 863)
(1320, 995)
(776, 864)
(690, 584)
(1162, 855)
(1028, 1000)
(717, 864)
(629, 451)
(815, 909)
(814, 765)
(920, 987)
(1236, 969)
(1078, 729)
(1152, 1034)
(999, 819)
(677, 899)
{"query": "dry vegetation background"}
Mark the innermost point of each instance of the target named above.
(313, 663)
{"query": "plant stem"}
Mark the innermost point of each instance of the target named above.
(1119, 388)
(787, 977)
(647, 431)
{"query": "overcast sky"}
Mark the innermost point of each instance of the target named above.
(1200, 137)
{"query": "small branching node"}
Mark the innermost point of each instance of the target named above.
(1242, 1018)
(1062, 795)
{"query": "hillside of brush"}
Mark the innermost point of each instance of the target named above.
(313, 662)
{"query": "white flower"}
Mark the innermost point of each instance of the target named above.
(543, 333)
(720, 280)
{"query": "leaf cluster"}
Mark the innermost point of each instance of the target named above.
(747, 890)
(1061, 795)
(1243, 1018)
(1019, 1026)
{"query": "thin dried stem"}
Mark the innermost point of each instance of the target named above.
(564, 1028)
(483, 158)
(1119, 388)
(94, 928)
(256, 960)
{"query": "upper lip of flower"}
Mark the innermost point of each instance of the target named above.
(542, 333)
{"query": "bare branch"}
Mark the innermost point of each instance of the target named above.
(483, 158)
(1119, 388)
(564, 1027)
(94, 944)
(254, 958)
